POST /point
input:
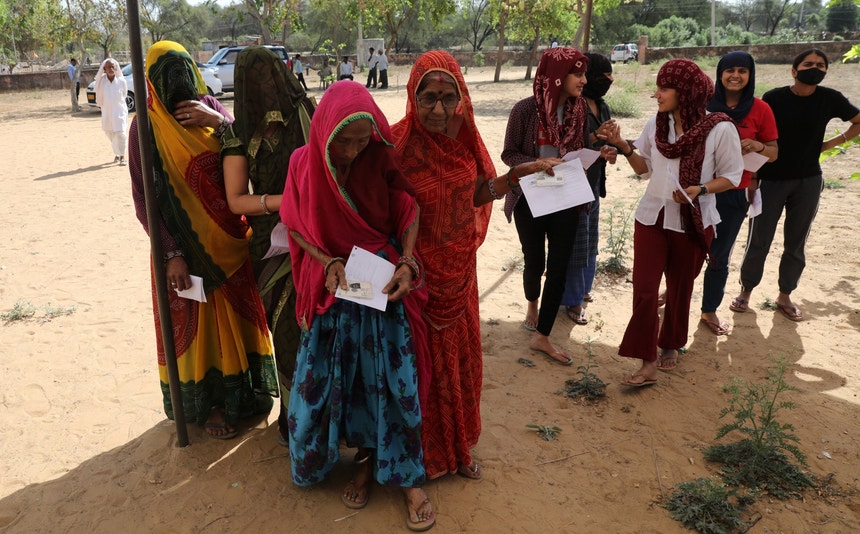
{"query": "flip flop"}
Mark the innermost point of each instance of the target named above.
(578, 317)
(472, 472)
(588, 298)
(627, 380)
(220, 426)
(550, 357)
(719, 329)
(791, 311)
(355, 505)
(739, 305)
(672, 363)
(420, 526)
(531, 326)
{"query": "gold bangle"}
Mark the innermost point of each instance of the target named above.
(263, 204)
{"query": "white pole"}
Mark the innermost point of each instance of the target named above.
(713, 22)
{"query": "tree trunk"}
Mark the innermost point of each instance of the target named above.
(499, 61)
(533, 54)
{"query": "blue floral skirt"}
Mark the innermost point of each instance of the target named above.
(356, 380)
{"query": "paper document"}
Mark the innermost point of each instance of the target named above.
(755, 205)
(753, 161)
(678, 186)
(573, 189)
(195, 292)
(279, 243)
(366, 275)
(586, 155)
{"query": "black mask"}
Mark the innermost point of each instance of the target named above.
(597, 86)
(810, 76)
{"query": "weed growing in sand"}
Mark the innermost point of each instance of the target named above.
(833, 183)
(588, 386)
(768, 304)
(20, 311)
(759, 461)
(706, 506)
(623, 104)
(619, 234)
(23, 310)
(547, 433)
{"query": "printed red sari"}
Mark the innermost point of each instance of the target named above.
(443, 171)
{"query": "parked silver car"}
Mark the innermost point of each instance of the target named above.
(210, 76)
(225, 61)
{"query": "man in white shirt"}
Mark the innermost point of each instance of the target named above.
(345, 70)
(371, 73)
(75, 77)
(300, 70)
(382, 67)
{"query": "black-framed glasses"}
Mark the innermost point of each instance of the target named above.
(429, 101)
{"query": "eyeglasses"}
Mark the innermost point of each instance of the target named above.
(429, 101)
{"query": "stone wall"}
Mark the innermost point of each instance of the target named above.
(45, 80)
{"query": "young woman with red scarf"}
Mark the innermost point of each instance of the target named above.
(688, 155)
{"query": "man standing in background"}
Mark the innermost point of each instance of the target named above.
(75, 78)
(372, 61)
(382, 66)
(300, 70)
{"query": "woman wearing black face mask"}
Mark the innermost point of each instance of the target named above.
(794, 181)
(583, 259)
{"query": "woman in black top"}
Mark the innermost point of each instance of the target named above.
(794, 182)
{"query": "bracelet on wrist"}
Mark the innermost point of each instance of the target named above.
(629, 152)
(263, 204)
(222, 127)
(844, 136)
(492, 187)
(511, 184)
(169, 255)
(703, 190)
(331, 262)
(417, 271)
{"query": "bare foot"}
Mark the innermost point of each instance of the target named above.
(420, 511)
(355, 493)
(540, 343)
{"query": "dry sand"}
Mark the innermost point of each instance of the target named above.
(85, 447)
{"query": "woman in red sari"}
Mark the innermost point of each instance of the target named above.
(444, 158)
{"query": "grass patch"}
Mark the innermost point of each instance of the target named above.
(24, 310)
(588, 386)
(706, 506)
(833, 183)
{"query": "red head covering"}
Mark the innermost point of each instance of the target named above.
(694, 89)
(555, 65)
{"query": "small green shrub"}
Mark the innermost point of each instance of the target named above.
(588, 386)
(546, 433)
(833, 183)
(759, 461)
(478, 59)
(20, 311)
(623, 104)
(705, 505)
(619, 234)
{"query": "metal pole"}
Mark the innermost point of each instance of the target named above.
(153, 216)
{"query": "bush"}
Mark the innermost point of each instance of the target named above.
(704, 505)
(622, 104)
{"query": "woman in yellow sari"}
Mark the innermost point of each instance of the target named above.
(223, 351)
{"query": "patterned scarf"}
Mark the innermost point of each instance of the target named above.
(555, 65)
(694, 89)
(188, 181)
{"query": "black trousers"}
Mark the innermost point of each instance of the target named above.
(371, 78)
(383, 79)
(558, 231)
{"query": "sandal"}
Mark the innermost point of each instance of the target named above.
(631, 380)
(739, 305)
(718, 328)
(352, 493)
(472, 472)
(791, 311)
(578, 316)
(667, 362)
(422, 524)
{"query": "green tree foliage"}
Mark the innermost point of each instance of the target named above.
(841, 16)
(673, 31)
(175, 20)
(272, 15)
(29, 26)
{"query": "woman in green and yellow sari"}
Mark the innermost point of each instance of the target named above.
(223, 351)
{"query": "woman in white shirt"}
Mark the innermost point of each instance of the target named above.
(688, 155)
(111, 91)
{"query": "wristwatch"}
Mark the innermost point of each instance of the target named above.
(703, 190)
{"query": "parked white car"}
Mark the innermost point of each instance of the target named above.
(210, 76)
(624, 53)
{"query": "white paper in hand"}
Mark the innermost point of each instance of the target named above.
(195, 292)
(753, 161)
(678, 186)
(279, 242)
(574, 191)
(755, 205)
(586, 156)
(366, 272)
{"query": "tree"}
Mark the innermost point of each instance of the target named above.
(772, 13)
(481, 25)
(272, 15)
(531, 20)
(175, 20)
(108, 24)
(842, 16)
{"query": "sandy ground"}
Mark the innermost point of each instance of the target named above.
(85, 447)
